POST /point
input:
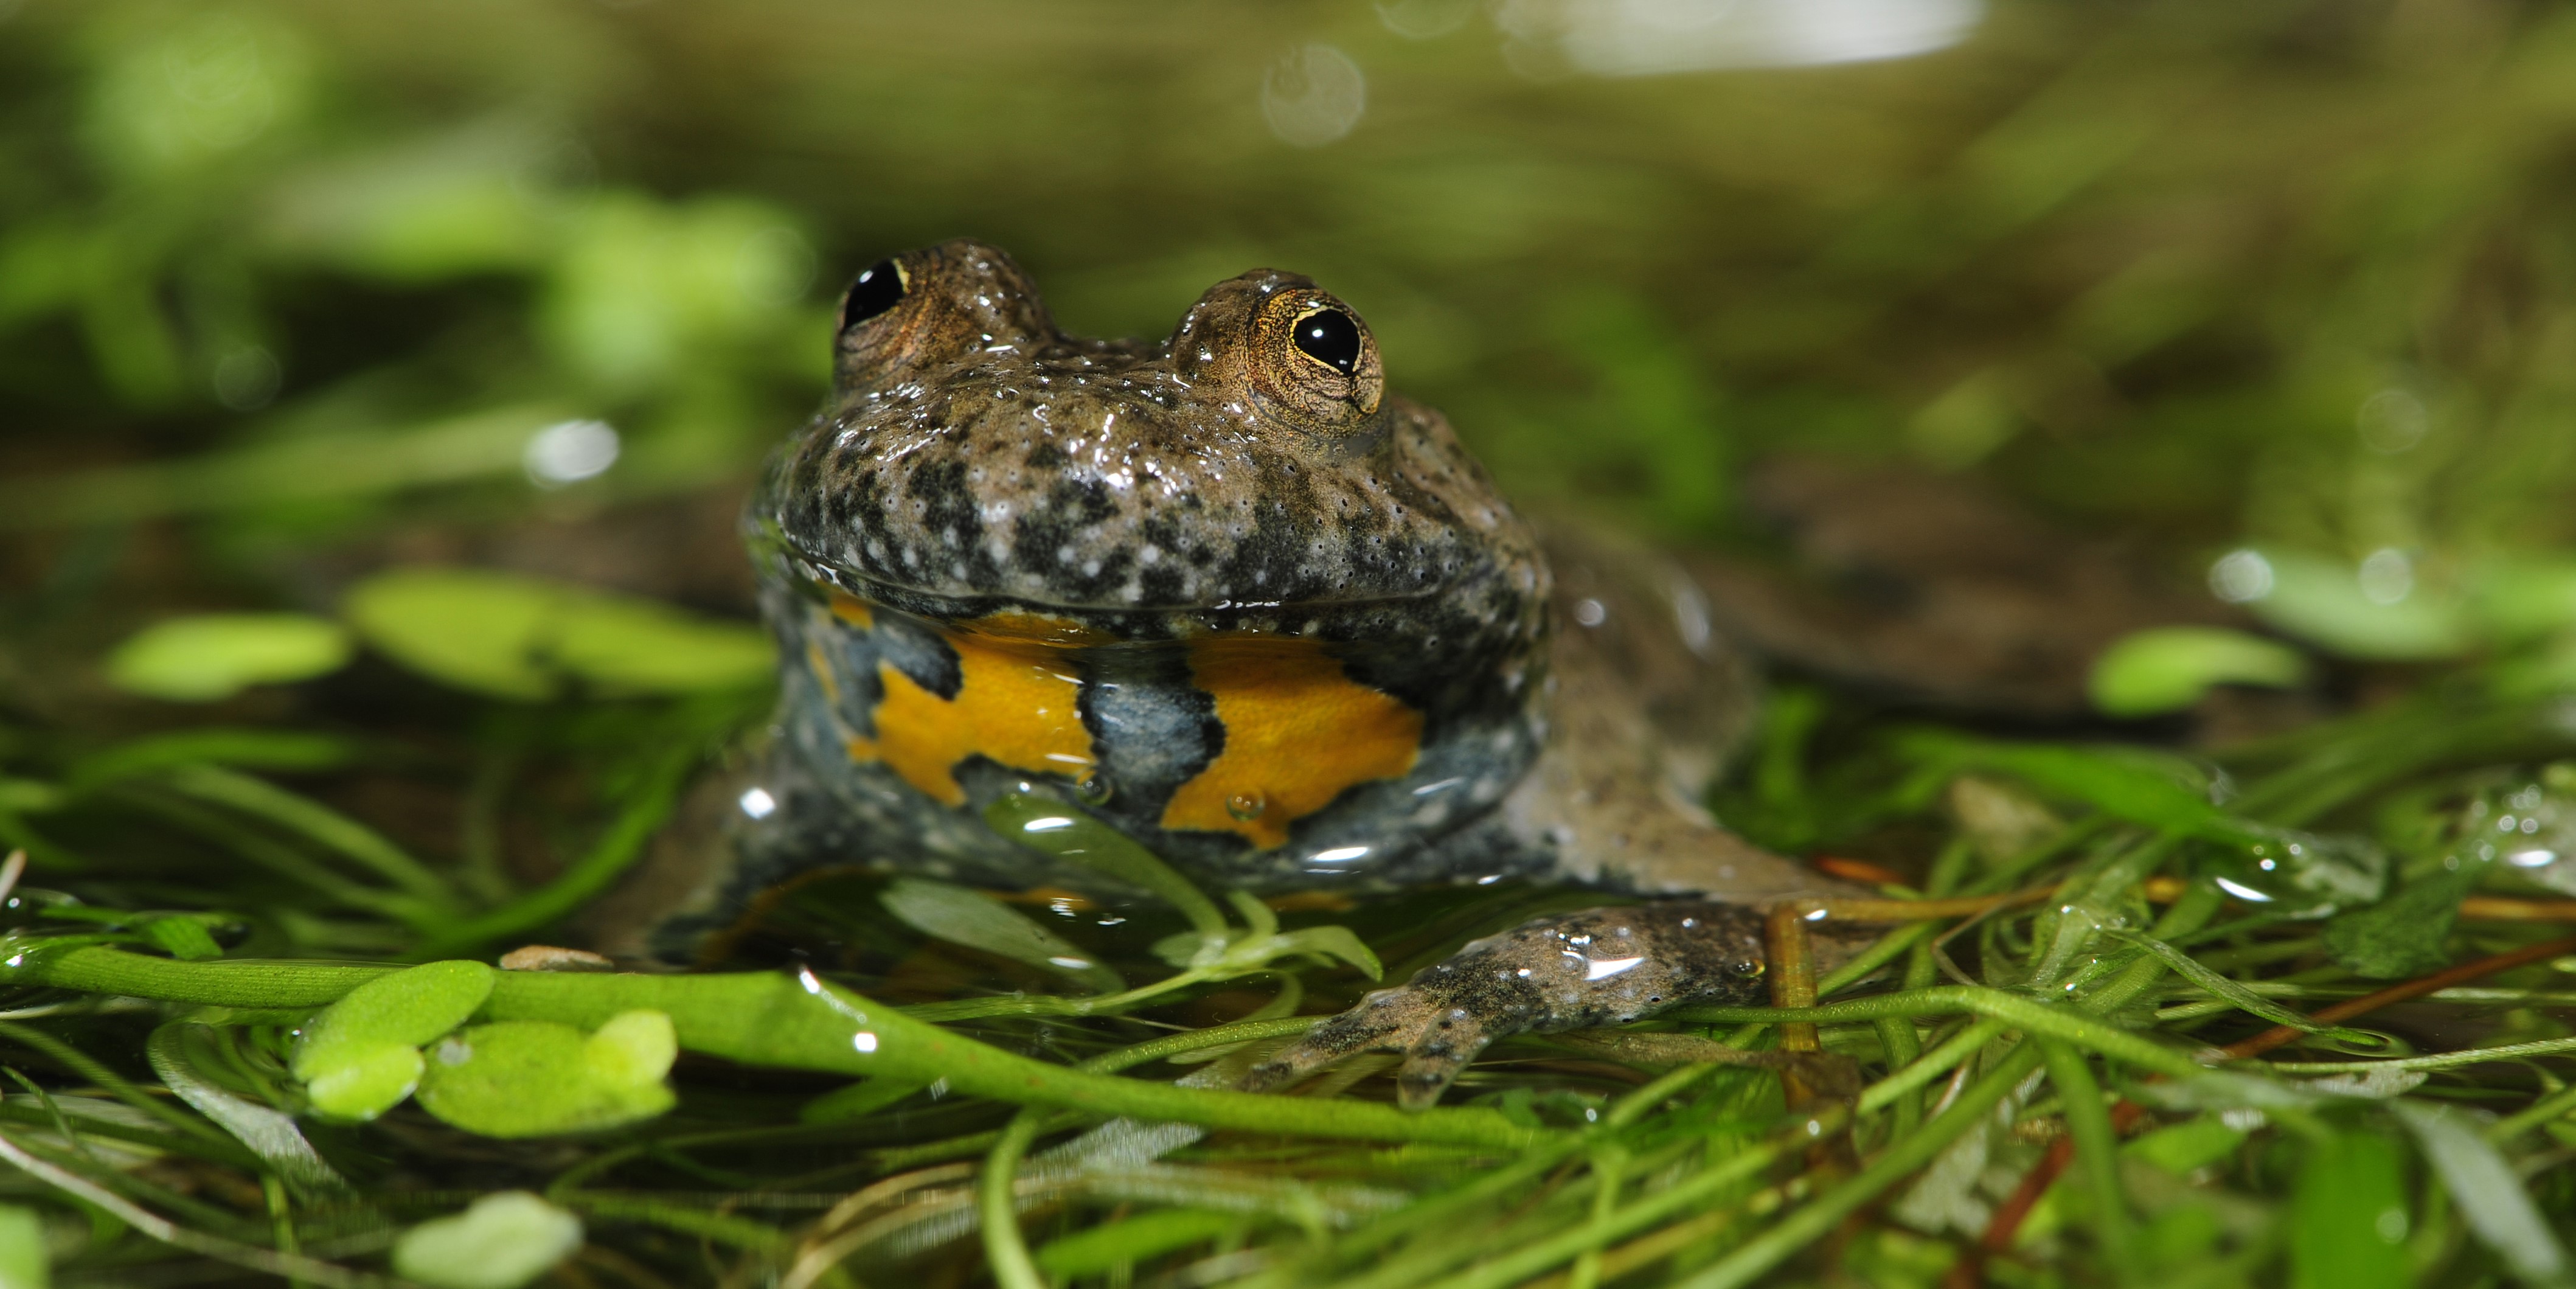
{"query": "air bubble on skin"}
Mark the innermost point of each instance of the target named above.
(1246, 806)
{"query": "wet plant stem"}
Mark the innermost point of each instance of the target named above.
(1757, 1256)
(2088, 1123)
(796, 1022)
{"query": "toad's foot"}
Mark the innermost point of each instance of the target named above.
(1586, 969)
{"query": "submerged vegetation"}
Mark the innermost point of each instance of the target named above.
(379, 384)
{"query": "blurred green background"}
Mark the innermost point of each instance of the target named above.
(2203, 273)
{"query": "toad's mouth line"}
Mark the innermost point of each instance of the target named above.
(965, 605)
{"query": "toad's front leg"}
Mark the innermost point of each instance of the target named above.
(1597, 967)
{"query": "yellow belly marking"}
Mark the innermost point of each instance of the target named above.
(1015, 706)
(851, 609)
(1298, 732)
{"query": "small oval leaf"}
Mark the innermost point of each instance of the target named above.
(360, 1057)
(528, 1078)
(632, 1049)
(217, 655)
(501, 1242)
(2166, 669)
(359, 1082)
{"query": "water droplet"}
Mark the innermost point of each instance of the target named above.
(1246, 805)
(1094, 789)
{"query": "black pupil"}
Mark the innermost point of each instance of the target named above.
(1330, 337)
(876, 291)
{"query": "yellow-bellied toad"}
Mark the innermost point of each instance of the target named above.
(1256, 612)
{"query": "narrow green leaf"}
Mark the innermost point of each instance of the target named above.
(1051, 827)
(1338, 942)
(242, 749)
(2487, 1192)
(1132, 1240)
(858, 1100)
(2142, 787)
(313, 820)
(24, 1261)
(961, 916)
(182, 937)
(270, 1135)
(2219, 986)
(2348, 1216)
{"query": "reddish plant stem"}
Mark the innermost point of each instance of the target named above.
(2005, 1225)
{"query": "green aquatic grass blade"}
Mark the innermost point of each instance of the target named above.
(270, 1135)
(618, 848)
(1053, 828)
(312, 820)
(355, 463)
(2348, 1222)
(2221, 987)
(961, 916)
(2487, 1192)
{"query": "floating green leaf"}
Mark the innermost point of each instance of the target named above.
(514, 636)
(502, 1241)
(360, 1057)
(2136, 784)
(961, 916)
(217, 655)
(2166, 669)
(24, 1262)
(533, 1078)
(2402, 936)
(362, 1080)
(2520, 598)
(2341, 607)
(631, 1048)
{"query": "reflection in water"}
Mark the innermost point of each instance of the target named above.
(1425, 19)
(1313, 96)
(1649, 37)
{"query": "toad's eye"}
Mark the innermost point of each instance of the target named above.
(878, 289)
(1330, 337)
